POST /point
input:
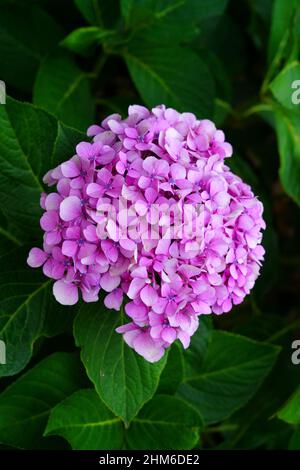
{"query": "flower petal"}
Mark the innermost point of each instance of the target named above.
(65, 293)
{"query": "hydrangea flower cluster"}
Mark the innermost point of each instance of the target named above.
(149, 209)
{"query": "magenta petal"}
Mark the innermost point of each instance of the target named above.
(94, 190)
(49, 220)
(130, 334)
(178, 171)
(184, 338)
(83, 149)
(136, 310)
(65, 293)
(109, 283)
(148, 295)
(144, 182)
(149, 164)
(70, 208)
(94, 130)
(163, 247)
(69, 248)
(114, 299)
(36, 258)
(53, 238)
(90, 295)
(147, 347)
(47, 267)
(245, 222)
(52, 202)
(90, 233)
(127, 244)
(58, 270)
(135, 287)
(70, 169)
(169, 334)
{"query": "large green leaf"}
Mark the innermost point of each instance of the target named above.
(25, 405)
(290, 412)
(173, 76)
(172, 375)
(64, 90)
(165, 422)
(232, 370)
(123, 379)
(86, 423)
(136, 12)
(287, 119)
(288, 136)
(194, 355)
(31, 143)
(282, 16)
(28, 310)
(27, 34)
(252, 425)
(282, 89)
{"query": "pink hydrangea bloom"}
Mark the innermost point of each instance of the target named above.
(149, 212)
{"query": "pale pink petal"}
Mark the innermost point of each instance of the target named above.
(70, 169)
(148, 295)
(114, 299)
(169, 334)
(69, 248)
(52, 201)
(49, 220)
(65, 293)
(36, 257)
(70, 208)
(147, 347)
(109, 283)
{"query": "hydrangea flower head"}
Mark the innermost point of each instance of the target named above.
(148, 211)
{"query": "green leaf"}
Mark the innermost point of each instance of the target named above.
(173, 76)
(288, 136)
(123, 379)
(294, 443)
(165, 422)
(172, 374)
(86, 423)
(136, 12)
(27, 34)
(282, 16)
(25, 405)
(31, 143)
(282, 89)
(207, 9)
(99, 12)
(84, 40)
(290, 412)
(28, 310)
(63, 89)
(252, 424)
(194, 355)
(232, 370)
(173, 24)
